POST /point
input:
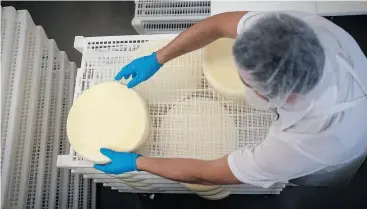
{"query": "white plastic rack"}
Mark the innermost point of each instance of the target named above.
(103, 57)
(168, 16)
(37, 88)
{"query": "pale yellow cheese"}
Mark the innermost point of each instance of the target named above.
(220, 69)
(200, 188)
(218, 196)
(209, 193)
(107, 115)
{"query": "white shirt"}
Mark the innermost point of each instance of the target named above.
(296, 145)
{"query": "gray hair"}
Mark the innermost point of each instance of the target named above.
(281, 55)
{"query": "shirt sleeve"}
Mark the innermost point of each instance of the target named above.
(272, 161)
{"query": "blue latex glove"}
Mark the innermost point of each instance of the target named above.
(140, 70)
(121, 162)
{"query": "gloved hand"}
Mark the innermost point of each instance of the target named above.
(121, 162)
(140, 70)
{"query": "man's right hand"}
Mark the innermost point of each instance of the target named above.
(140, 70)
(121, 162)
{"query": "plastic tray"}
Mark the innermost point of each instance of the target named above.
(37, 91)
(161, 8)
(23, 153)
(67, 100)
(44, 105)
(165, 17)
(15, 107)
(162, 26)
(59, 176)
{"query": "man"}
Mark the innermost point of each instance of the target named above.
(303, 66)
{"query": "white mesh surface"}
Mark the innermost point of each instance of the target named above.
(67, 99)
(166, 27)
(3, 29)
(71, 201)
(35, 102)
(53, 129)
(79, 192)
(59, 194)
(41, 120)
(25, 138)
(8, 89)
(151, 8)
(90, 194)
(162, 27)
(15, 181)
(8, 18)
(166, 17)
(15, 109)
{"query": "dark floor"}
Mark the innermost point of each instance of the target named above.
(63, 21)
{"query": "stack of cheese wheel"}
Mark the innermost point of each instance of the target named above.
(142, 186)
(220, 69)
(138, 183)
(107, 115)
(200, 128)
(171, 83)
(208, 192)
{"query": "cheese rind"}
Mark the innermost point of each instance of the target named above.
(107, 115)
(220, 69)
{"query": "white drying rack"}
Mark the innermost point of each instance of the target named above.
(37, 92)
(165, 17)
(103, 57)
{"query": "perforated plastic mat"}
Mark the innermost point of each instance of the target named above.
(158, 8)
(168, 17)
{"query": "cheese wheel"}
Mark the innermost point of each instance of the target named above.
(149, 188)
(107, 115)
(137, 184)
(218, 196)
(134, 180)
(199, 187)
(123, 175)
(220, 69)
(209, 193)
(196, 128)
(175, 80)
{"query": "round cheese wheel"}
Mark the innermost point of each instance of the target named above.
(107, 115)
(209, 193)
(148, 188)
(218, 196)
(175, 80)
(199, 187)
(123, 175)
(196, 128)
(220, 69)
(137, 184)
(133, 180)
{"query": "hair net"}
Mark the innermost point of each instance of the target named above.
(279, 55)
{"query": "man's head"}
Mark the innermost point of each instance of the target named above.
(280, 57)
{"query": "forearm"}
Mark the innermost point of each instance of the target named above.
(200, 35)
(189, 170)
